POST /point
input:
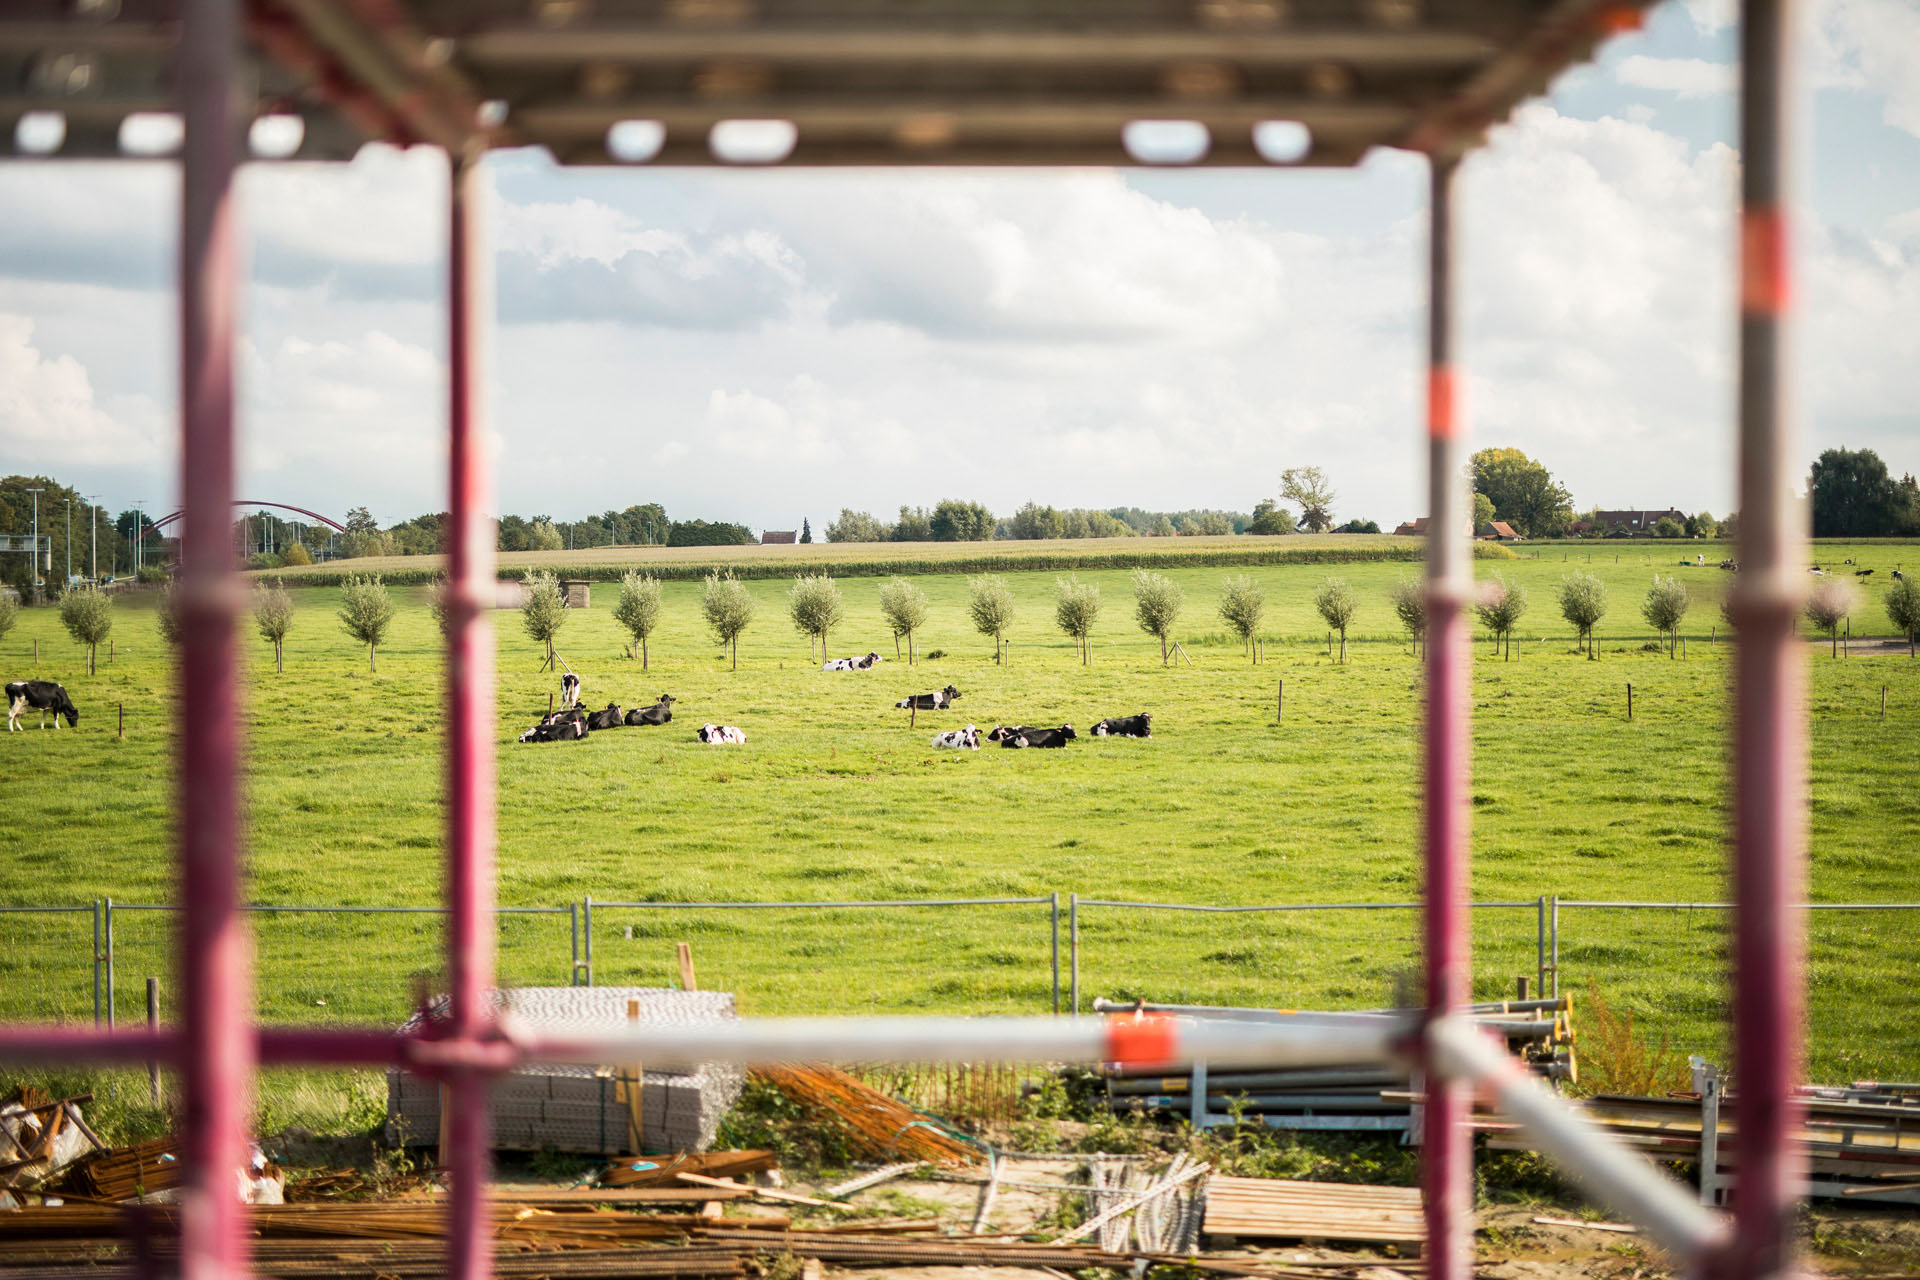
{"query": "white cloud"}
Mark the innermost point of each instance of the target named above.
(49, 415)
(1869, 45)
(1685, 77)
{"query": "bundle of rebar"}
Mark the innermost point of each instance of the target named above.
(872, 1124)
(125, 1172)
(1356, 1096)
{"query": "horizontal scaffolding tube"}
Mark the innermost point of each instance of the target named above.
(1172, 1042)
(1612, 1174)
(71, 1046)
(982, 1040)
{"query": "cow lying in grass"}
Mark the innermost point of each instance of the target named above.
(1021, 735)
(929, 701)
(851, 664)
(967, 739)
(608, 719)
(1140, 726)
(42, 696)
(561, 726)
(659, 713)
(718, 734)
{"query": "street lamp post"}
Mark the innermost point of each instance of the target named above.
(33, 556)
(69, 581)
(93, 539)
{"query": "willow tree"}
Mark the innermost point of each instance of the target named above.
(905, 608)
(639, 609)
(1157, 601)
(728, 608)
(990, 606)
(816, 608)
(1241, 606)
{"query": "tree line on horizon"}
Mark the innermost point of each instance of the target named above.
(1851, 493)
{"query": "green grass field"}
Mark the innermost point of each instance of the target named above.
(834, 797)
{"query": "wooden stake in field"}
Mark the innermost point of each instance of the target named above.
(1883, 702)
(122, 735)
(1280, 704)
(153, 1024)
(683, 954)
(1629, 699)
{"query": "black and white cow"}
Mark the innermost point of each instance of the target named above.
(659, 713)
(569, 691)
(608, 719)
(561, 726)
(851, 664)
(718, 734)
(967, 739)
(42, 696)
(1022, 736)
(1140, 726)
(930, 701)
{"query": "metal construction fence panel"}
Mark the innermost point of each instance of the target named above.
(47, 963)
(322, 964)
(1665, 963)
(1353, 955)
(973, 955)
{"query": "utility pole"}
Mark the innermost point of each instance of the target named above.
(69, 544)
(93, 540)
(139, 535)
(33, 557)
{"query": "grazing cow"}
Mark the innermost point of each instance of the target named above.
(1899, 576)
(569, 691)
(659, 713)
(561, 726)
(718, 734)
(1863, 573)
(608, 719)
(967, 739)
(929, 701)
(1025, 737)
(1140, 726)
(42, 696)
(851, 664)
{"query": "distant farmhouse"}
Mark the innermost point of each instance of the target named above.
(1635, 524)
(771, 537)
(1498, 531)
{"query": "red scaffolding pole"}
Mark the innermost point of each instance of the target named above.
(216, 977)
(470, 755)
(1447, 1152)
(1769, 730)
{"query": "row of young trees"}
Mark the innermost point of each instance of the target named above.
(816, 606)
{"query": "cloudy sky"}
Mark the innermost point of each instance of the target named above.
(769, 346)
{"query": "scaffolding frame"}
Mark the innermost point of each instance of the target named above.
(216, 1048)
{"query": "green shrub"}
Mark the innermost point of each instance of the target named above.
(87, 614)
(366, 611)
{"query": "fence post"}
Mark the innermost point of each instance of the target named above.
(573, 965)
(1540, 944)
(99, 958)
(1073, 948)
(1054, 911)
(586, 944)
(1553, 940)
(153, 1024)
(109, 903)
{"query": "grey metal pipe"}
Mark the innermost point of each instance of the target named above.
(1265, 1103)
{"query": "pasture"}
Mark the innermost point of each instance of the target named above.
(834, 797)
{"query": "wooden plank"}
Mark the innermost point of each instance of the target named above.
(1318, 1210)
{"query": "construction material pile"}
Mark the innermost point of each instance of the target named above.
(872, 1124)
(1861, 1142)
(575, 1108)
(40, 1138)
(1357, 1096)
